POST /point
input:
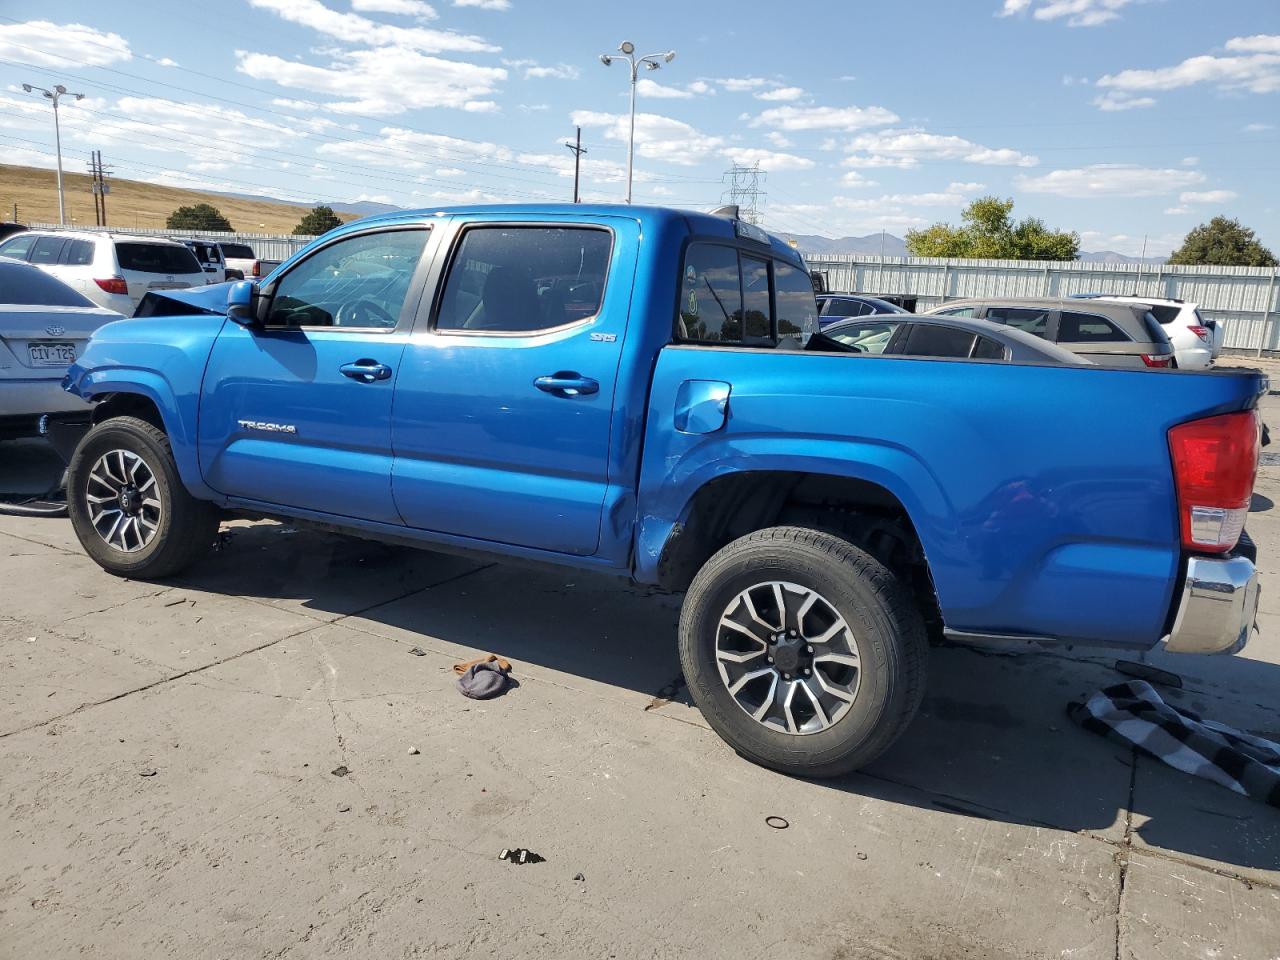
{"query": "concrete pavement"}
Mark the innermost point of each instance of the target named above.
(994, 829)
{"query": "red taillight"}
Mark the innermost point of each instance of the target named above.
(1157, 359)
(1202, 332)
(1215, 462)
(256, 270)
(113, 284)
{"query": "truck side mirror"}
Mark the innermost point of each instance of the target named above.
(242, 303)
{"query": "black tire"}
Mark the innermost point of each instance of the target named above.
(880, 613)
(186, 528)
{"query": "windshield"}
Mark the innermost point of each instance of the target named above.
(156, 258)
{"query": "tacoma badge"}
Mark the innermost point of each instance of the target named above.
(267, 427)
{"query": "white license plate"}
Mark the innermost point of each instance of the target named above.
(51, 354)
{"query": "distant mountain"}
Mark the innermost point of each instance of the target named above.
(1110, 256)
(361, 208)
(872, 244)
(892, 246)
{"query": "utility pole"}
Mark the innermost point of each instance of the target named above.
(53, 96)
(744, 190)
(578, 151)
(100, 188)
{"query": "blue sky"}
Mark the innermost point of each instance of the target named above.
(1116, 118)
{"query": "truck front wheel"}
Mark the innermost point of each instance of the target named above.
(127, 503)
(803, 652)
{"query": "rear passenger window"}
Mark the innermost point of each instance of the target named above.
(522, 279)
(18, 247)
(78, 253)
(1088, 328)
(755, 299)
(958, 312)
(47, 250)
(988, 349)
(711, 295)
(846, 308)
(933, 340)
(1029, 320)
(797, 311)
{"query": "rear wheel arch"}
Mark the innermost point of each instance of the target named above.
(861, 512)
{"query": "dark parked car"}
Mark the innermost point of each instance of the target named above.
(925, 336)
(837, 306)
(9, 229)
(1109, 334)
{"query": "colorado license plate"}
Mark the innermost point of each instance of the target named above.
(51, 354)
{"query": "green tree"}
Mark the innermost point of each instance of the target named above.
(1223, 242)
(988, 231)
(320, 219)
(200, 216)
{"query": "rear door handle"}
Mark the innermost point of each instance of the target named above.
(366, 371)
(567, 383)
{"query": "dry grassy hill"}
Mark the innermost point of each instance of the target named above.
(131, 203)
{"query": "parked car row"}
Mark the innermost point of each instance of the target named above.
(116, 270)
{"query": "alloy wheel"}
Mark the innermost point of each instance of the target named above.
(123, 500)
(787, 657)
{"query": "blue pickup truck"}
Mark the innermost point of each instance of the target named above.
(634, 391)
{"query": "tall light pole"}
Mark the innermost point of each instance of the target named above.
(53, 96)
(651, 62)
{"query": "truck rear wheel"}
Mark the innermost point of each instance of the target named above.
(127, 503)
(803, 652)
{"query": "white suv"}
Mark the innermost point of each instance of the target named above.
(113, 270)
(1196, 341)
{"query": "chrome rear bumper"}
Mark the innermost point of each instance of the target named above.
(1218, 606)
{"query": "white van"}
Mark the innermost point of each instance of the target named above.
(113, 270)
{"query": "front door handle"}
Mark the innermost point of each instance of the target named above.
(366, 371)
(567, 383)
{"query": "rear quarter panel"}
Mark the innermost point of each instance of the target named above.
(1043, 495)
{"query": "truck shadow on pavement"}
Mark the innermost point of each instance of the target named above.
(992, 740)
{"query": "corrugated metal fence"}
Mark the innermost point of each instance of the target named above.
(1244, 297)
(268, 246)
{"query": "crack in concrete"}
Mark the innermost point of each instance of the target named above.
(235, 656)
(116, 606)
(1124, 850)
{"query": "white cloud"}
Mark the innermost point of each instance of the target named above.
(408, 8)
(657, 137)
(1114, 100)
(743, 84)
(701, 87)
(777, 139)
(651, 88)
(1258, 43)
(1255, 70)
(304, 106)
(353, 28)
(853, 178)
(1207, 196)
(1110, 180)
(781, 94)
(385, 81)
(907, 148)
(53, 44)
(1257, 127)
(1175, 211)
(536, 71)
(1077, 13)
(450, 172)
(484, 4)
(160, 61)
(767, 159)
(1191, 161)
(824, 118)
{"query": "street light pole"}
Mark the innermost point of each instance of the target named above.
(53, 96)
(651, 62)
